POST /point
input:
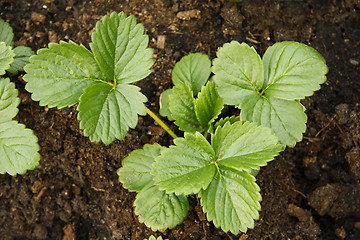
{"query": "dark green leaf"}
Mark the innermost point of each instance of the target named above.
(182, 108)
(208, 105)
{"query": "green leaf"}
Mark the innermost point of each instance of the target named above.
(57, 75)
(8, 100)
(165, 104)
(154, 238)
(293, 71)
(18, 148)
(182, 108)
(208, 105)
(106, 112)
(22, 55)
(232, 200)
(221, 122)
(120, 48)
(6, 33)
(238, 71)
(159, 210)
(187, 167)
(286, 118)
(6, 57)
(244, 145)
(135, 171)
(194, 70)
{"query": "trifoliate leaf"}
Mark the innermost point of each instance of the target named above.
(244, 145)
(187, 167)
(18, 148)
(6, 33)
(6, 57)
(293, 71)
(159, 210)
(57, 75)
(120, 48)
(8, 100)
(232, 200)
(106, 112)
(165, 104)
(194, 70)
(135, 171)
(22, 55)
(208, 105)
(238, 70)
(182, 108)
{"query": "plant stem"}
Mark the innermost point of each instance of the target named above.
(161, 123)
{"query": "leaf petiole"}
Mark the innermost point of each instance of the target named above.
(161, 123)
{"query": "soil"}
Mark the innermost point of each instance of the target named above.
(311, 191)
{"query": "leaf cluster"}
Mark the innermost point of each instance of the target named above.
(217, 158)
(65, 74)
(221, 171)
(18, 144)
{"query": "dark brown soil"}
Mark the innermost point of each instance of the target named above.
(309, 192)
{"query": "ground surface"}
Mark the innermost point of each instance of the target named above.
(309, 192)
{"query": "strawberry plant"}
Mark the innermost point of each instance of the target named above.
(18, 145)
(217, 158)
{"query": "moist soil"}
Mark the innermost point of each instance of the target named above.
(311, 191)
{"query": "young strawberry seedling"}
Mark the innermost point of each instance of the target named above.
(217, 159)
(18, 145)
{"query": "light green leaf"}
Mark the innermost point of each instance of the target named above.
(208, 105)
(154, 238)
(286, 118)
(238, 70)
(182, 108)
(6, 57)
(8, 100)
(165, 104)
(232, 200)
(187, 167)
(244, 145)
(18, 148)
(135, 171)
(22, 55)
(293, 71)
(194, 70)
(120, 48)
(57, 75)
(221, 122)
(106, 112)
(159, 210)
(6, 33)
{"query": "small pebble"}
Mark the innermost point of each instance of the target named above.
(187, 15)
(354, 62)
(161, 41)
(38, 17)
(340, 232)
